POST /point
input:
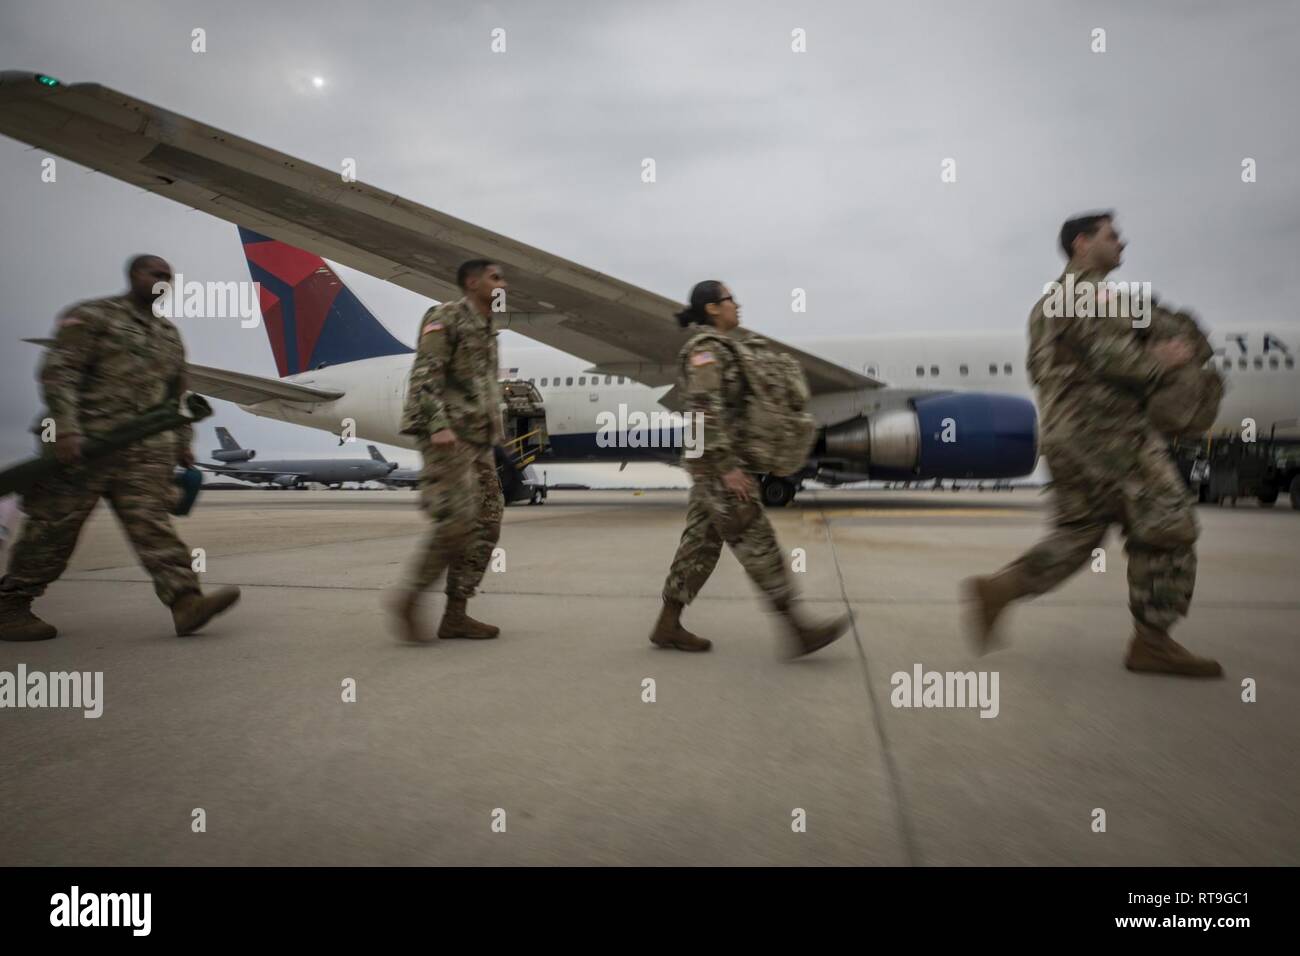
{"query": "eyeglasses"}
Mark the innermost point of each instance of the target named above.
(727, 298)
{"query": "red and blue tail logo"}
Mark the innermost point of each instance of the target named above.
(311, 317)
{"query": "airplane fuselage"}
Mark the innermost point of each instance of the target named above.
(1258, 363)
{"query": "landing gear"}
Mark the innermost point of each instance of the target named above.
(778, 492)
(1267, 495)
(1295, 492)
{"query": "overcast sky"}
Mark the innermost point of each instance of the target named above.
(776, 169)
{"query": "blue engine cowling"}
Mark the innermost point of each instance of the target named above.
(976, 435)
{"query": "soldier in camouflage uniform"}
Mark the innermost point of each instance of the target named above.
(111, 360)
(1110, 466)
(453, 408)
(723, 504)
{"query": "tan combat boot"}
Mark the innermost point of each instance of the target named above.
(194, 610)
(1154, 651)
(669, 632)
(18, 623)
(401, 603)
(989, 597)
(810, 637)
(457, 624)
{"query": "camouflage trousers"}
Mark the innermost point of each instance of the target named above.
(713, 516)
(139, 486)
(1149, 502)
(459, 490)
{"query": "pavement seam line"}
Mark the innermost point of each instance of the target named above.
(910, 846)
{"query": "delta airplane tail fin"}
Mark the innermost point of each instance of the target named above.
(311, 317)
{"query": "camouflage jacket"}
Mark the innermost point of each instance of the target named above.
(454, 379)
(110, 361)
(713, 385)
(1093, 374)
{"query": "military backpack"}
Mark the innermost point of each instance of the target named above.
(777, 430)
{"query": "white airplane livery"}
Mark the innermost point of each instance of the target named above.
(580, 402)
(917, 406)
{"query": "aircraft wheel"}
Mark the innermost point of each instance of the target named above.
(1267, 496)
(1295, 492)
(777, 492)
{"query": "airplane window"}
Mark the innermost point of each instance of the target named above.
(569, 380)
(993, 369)
(1259, 362)
(609, 379)
(1272, 362)
(1290, 362)
(964, 369)
(582, 380)
(1227, 364)
(543, 383)
(934, 370)
(920, 370)
(620, 380)
(1006, 369)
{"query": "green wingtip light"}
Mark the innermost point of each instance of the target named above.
(44, 80)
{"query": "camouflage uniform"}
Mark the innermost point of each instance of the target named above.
(1109, 464)
(111, 360)
(715, 388)
(454, 385)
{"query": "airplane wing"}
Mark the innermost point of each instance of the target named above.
(241, 387)
(617, 327)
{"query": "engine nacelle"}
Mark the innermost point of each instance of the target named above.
(238, 454)
(889, 440)
(955, 435)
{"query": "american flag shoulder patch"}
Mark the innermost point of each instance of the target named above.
(702, 358)
(432, 327)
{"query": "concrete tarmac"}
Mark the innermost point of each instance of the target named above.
(741, 758)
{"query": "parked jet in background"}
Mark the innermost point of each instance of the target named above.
(236, 462)
(973, 381)
(398, 477)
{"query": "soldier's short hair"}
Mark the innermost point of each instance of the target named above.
(471, 268)
(1085, 225)
(136, 261)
